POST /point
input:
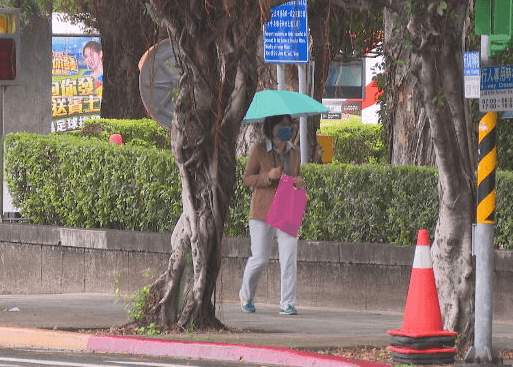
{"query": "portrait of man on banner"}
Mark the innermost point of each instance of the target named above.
(77, 81)
(93, 56)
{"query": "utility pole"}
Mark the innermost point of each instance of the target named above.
(482, 351)
(280, 76)
(303, 122)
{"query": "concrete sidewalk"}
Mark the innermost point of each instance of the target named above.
(32, 320)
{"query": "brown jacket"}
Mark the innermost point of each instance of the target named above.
(261, 160)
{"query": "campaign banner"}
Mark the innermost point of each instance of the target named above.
(77, 81)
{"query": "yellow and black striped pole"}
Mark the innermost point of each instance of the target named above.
(487, 156)
(485, 230)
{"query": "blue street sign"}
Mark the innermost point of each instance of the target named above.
(471, 74)
(471, 63)
(286, 33)
(496, 88)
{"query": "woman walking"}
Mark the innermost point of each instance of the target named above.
(270, 158)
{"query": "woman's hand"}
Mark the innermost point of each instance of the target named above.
(299, 182)
(275, 173)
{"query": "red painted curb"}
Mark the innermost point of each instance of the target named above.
(218, 351)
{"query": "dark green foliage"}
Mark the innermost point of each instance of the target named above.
(143, 132)
(238, 215)
(369, 203)
(357, 143)
(504, 210)
(505, 144)
(66, 180)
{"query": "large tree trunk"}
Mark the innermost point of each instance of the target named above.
(251, 133)
(438, 45)
(126, 34)
(216, 44)
(406, 120)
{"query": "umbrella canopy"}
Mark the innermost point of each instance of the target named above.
(281, 102)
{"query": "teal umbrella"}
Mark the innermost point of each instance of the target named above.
(281, 102)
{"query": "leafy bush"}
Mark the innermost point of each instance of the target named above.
(504, 210)
(368, 203)
(142, 132)
(505, 144)
(66, 180)
(357, 142)
(238, 216)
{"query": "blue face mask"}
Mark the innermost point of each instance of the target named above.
(285, 133)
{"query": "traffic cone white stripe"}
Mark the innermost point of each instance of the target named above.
(422, 258)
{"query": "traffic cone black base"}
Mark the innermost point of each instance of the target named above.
(446, 341)
(434, 355)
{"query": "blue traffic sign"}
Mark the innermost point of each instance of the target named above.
(471, 76)
(497, 77)
(471, 63)
(286, 33)
(496, 88)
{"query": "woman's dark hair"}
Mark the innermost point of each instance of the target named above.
(271, 121)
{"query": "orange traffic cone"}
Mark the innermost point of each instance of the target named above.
(422, 333)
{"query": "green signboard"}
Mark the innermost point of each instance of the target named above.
(494, 18)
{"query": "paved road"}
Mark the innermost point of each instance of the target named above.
(35, 358)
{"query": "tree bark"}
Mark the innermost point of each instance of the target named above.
(406, 120)
(251, 133)
(438, 45)
(216, 43)
(126, 35)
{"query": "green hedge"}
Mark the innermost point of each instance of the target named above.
(504, 210)
(372, 203)
(70, 181)
(505, 144)
(356, 142)
(141, 132)
(367, 203)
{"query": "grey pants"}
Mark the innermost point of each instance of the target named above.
(261, 235)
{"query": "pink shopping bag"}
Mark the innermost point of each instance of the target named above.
(288, 206)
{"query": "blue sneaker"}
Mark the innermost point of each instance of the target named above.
(290, 310)
(246, 305)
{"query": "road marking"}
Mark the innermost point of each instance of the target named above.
(53, 363)
(152, 364)
(72, 364)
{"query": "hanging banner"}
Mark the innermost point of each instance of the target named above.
(77, 81)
